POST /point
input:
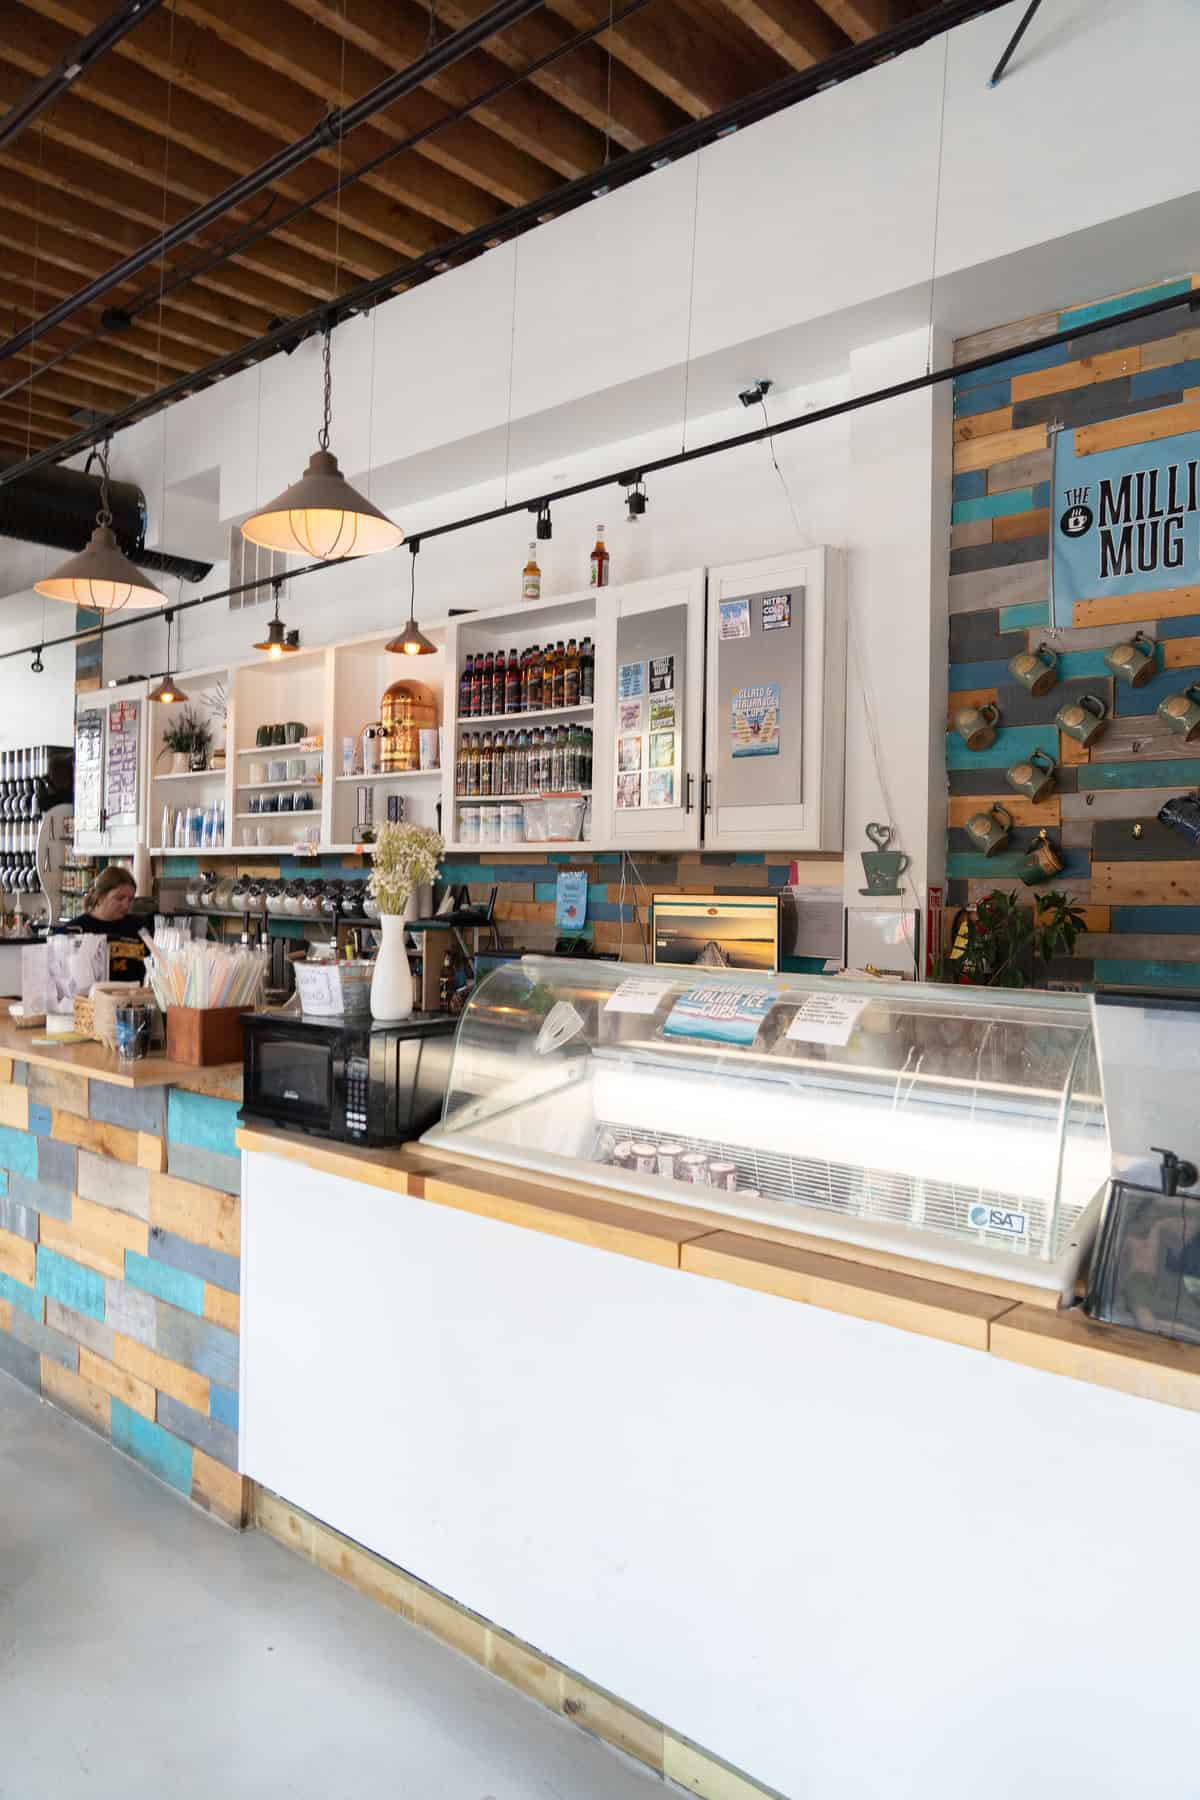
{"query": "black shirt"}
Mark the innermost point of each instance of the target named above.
(126, 951)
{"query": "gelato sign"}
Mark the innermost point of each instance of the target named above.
(1124, 521)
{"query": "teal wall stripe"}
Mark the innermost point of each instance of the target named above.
(1185, 976)
(173, 1285)
(30, 1300)
(1020, 618)
(18, 1152)
(1112, 309)
(203, 1121)
(1011, 743)
(164, 1455)
(1183, 773)
(992, 506)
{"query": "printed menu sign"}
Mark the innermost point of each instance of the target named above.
(755, 719)
(826, 1019)
(720, 1015)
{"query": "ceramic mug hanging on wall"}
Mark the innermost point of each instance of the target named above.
(1036, 670)
(976, 725)
(1041, 860)
(1034, 777)
(1082, 719)
(1181, 712)
(1133, 661)
(989, 831)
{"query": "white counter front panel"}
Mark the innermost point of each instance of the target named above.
(852, 1561)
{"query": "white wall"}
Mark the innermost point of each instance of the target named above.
(852, 1561)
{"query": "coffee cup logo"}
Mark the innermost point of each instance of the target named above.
(1079, 518)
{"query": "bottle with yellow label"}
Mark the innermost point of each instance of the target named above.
(531, 579)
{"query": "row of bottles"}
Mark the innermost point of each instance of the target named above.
(557, 760)
(540, 679)
(531, 574)
(193, 827)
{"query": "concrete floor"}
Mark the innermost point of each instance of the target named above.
(146, 1651)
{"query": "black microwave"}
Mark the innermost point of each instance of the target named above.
(360, 1084)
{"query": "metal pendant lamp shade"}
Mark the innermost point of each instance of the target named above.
(101, 576)
(168, 692)
(412, 640)
(279, 641)
(321, 516)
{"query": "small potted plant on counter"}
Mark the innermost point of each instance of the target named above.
(186, 738)
(406, 858)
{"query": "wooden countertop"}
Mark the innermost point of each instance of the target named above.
(101, 1064)
(928, 1299)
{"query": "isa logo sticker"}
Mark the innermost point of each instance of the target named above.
(997, 1218)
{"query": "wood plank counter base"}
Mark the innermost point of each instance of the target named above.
(816, 1272)
(120, 1271)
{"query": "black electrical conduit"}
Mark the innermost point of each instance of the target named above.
(681, 142)
(78, 60)
(679, 458)
(328, 132)
(272, 222)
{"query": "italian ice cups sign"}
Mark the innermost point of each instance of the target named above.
(1124, 521)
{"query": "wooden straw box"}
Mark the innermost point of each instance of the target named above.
(203, 1035)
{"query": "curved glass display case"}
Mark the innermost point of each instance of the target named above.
(958, 1125)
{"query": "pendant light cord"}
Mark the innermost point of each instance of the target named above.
(414, 544)
(104, 516)
(323, 434)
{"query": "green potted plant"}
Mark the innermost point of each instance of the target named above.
(406, 858)
(1001, 943)
(186, 738)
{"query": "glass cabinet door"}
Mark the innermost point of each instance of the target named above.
(655, 776)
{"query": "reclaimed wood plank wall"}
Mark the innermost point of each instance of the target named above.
(1134, 381)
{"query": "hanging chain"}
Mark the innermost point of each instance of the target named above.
(104, 516)
(323, 436)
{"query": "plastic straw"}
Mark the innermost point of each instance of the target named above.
(185, 972)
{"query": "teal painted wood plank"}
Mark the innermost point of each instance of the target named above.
(223, 1405)
(202, 1121)
(18, 1152)
(1148, 974)
(969, 865)
(210, 1435)
(992, 506)
(17, 1294)
(165, 1283)
(1182, 773)
(1112, 309)
(70, 1283)
(1168, 919)
(164, 1455)
(1021, 618)
(1010, 745)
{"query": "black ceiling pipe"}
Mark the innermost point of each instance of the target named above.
(77, 62)
(57, 507)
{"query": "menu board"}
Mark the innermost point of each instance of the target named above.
(89, 763)
(121, 772)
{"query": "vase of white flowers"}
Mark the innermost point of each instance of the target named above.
(406, 858)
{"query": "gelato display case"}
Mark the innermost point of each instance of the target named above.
(962, 1127)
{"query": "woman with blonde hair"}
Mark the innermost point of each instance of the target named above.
(106, 905)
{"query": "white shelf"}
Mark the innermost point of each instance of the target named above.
(220, 850)
(273, 750)
(314, 787)
(550, 712)
(192, 775)
(504, 799)
(543, 845)
(306, 812)
(347, 849)
(395, 775)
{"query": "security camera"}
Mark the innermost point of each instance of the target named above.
(756, 392)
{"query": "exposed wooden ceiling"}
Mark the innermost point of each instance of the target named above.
(202, 91)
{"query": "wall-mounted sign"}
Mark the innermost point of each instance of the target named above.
(776, 612)
(1123, 521)
(756, 719)
(735, 619)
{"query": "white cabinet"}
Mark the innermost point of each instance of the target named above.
(775, 714)
(179, 798)
(651, 696)
(363, 672)
(110, 763)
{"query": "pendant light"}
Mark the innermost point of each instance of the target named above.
(101, 577)
(321, 516)
(279, 640)
(412, 640)
(168, 690)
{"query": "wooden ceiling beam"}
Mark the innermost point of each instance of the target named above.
(664, 48)
(192, 310)
(397, 35)
(300, 50)
(800, 31)
(100, 126)
(107, 227)
(141, 356)
(192, 340)
(16, 428)
(219, 107)
(863, 19)
(120, 388)
(609, 98)
(58, 164)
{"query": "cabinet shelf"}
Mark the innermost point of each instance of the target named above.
(395, 775)
(509, 799)
(192, 775)
(518, 719)
(311, 814)
(272, 749)
(261, 786)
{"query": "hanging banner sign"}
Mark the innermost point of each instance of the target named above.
(1123, 521)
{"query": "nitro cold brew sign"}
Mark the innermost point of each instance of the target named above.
(1124, 521)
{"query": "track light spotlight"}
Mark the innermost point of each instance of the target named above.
(545, 529)
(635, 498)
(37, 667)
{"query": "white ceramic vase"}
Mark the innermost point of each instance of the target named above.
(392, 982)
